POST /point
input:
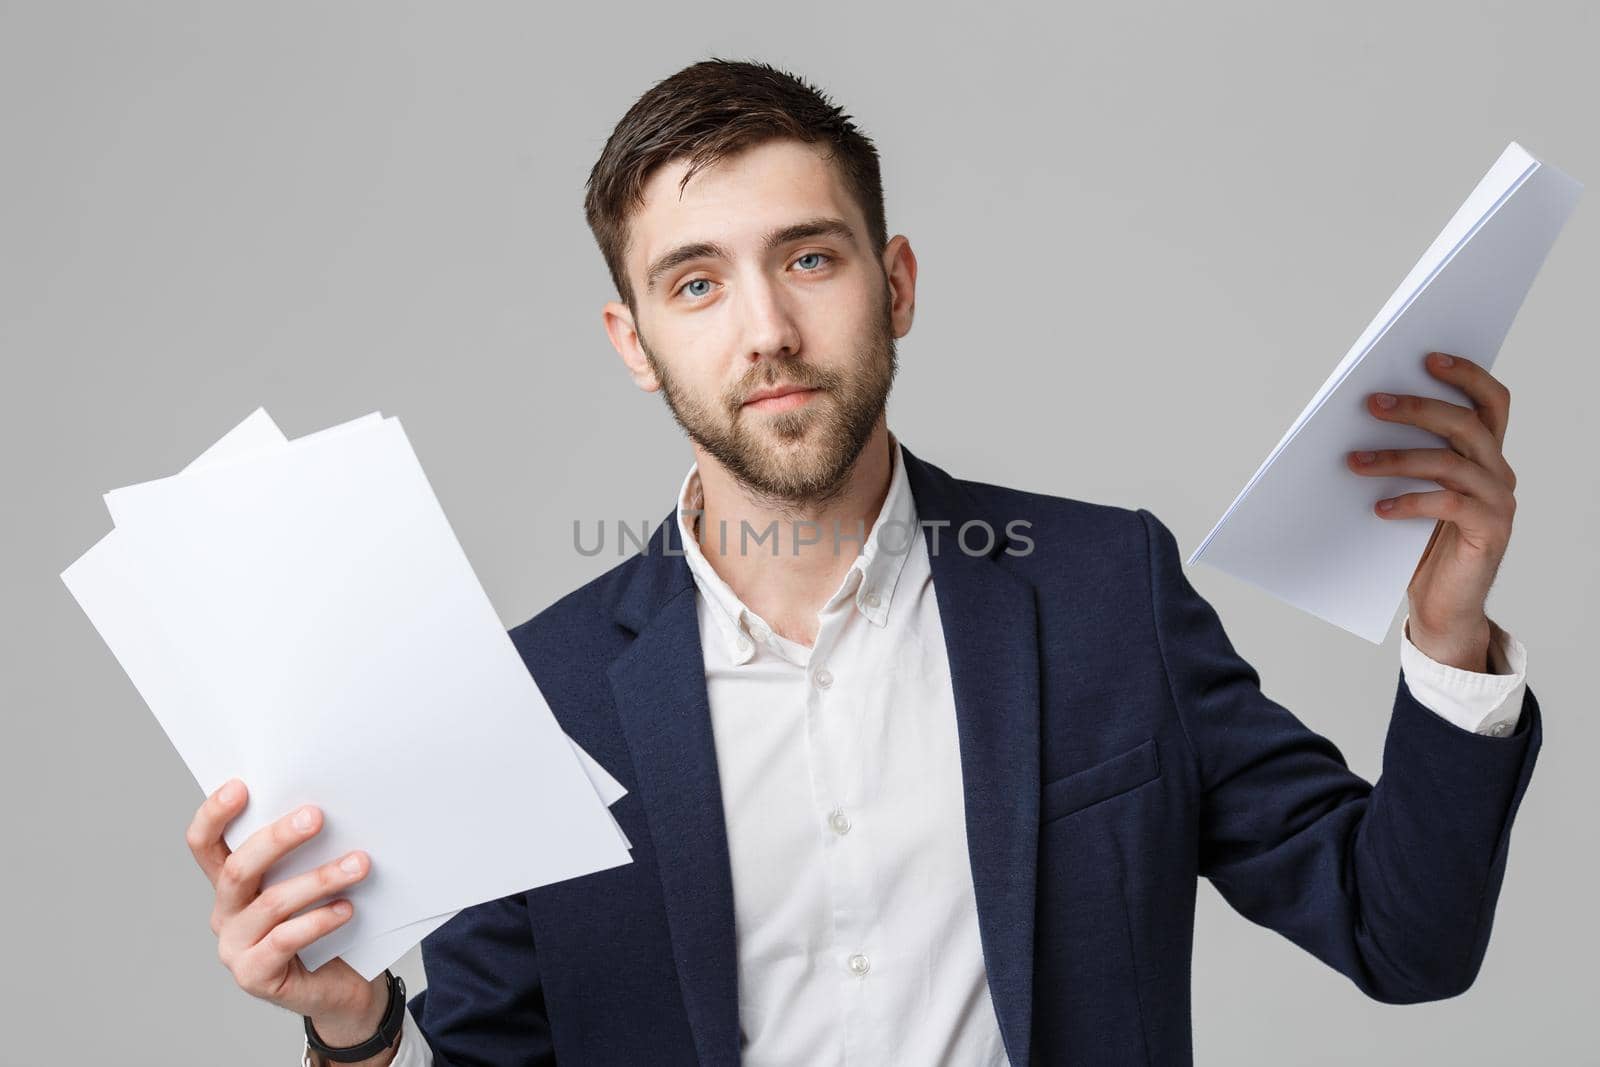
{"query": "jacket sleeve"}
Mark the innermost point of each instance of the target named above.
(484, 1006)
(1392, 883)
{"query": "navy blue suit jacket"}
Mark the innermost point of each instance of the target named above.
(1114, 748)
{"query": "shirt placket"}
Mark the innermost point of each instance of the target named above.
(834, 770)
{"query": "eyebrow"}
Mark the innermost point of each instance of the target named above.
(818, 227)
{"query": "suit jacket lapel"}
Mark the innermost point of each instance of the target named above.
(659, 687)
(990, 624)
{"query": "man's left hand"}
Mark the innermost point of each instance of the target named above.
(1450, 586)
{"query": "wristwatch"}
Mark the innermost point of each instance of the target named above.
(388, 1029)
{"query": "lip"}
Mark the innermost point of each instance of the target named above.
(779, 398)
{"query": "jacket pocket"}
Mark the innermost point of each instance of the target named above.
(1102, 781)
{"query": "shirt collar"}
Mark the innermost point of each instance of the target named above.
(870, 582)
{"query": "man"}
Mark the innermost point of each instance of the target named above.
(921, 770)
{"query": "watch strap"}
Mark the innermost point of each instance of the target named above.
(388, 1029)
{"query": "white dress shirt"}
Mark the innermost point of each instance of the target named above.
(855, 921)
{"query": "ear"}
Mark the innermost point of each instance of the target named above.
(900, 268)
(625, 339)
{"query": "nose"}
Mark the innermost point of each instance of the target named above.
(770, 327)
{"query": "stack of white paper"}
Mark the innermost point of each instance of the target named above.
(299, 614)
(1303, 528)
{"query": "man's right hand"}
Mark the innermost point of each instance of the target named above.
(256, 938)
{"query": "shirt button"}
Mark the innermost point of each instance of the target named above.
(839, 821)
(873, 600)
(823, 678)
(859, 964)
(744, 644)
(1500, 729)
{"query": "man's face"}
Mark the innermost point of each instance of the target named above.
(807, 313)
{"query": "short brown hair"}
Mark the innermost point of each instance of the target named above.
(704, 112)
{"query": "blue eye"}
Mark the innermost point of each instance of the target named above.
(684, 288)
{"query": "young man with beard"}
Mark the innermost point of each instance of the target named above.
(921, 770)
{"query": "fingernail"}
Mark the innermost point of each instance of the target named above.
(350, 864)
(1366, 457)
(228, 793)
(302, 819)
(1384, 400)
(1443, 360)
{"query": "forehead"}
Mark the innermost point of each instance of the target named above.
(737, 199)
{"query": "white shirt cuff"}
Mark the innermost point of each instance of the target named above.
(413, 1052)
(1482, 703)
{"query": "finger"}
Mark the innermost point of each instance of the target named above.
(1461, 427)
(1443, 465)
(260, 969)
(275, 903)
(1489, 395)
(204, 835)
(1476, 523)
(240, 877)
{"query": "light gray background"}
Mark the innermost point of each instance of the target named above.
(1146, 235)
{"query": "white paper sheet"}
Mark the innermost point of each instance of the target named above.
(175, 584)
(374, 954)
(1303, 528)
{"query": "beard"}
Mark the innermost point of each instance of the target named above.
(796, 460)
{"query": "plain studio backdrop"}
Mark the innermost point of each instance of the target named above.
(1146, 234)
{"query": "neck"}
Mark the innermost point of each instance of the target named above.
(789, 585)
